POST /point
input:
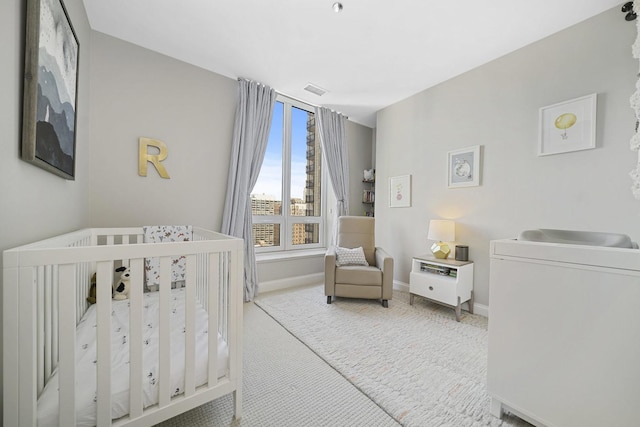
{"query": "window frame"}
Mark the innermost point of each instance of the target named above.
(285, 219)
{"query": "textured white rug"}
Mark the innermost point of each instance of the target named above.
(285, 385)
(416, 362)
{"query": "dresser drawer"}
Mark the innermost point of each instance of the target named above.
(432, 286)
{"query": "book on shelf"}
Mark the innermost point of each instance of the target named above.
(430, 268)
(368, 196)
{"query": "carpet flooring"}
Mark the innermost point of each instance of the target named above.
(416, 362)
(285, 384)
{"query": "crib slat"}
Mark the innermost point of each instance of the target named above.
(48, 345)
(135, 332)
(26, 345)
(190, 324)
(66, 364)
(164, 370)
(235, 286)
(103, 296)
(10, 337)
(53, 284)
(42, 374)
(213, 318)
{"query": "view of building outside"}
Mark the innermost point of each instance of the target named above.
(305, 184)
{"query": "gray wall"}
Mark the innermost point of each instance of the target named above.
(136, 92)
(496, 106)
(360, 142)
(35, 203)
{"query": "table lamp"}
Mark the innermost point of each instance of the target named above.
(441, 230)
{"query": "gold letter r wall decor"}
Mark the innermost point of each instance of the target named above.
(155, 159)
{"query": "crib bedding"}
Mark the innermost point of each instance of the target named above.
(86, 356)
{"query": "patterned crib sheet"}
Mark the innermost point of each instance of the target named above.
(86, 359)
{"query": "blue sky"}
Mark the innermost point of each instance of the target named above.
(270, 178)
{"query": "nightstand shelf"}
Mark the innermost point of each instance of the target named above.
(443, 281)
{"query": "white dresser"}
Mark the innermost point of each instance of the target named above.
(564, 333)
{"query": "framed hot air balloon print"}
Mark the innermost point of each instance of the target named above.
(568, 126)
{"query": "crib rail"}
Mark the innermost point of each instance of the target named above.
(45, 289)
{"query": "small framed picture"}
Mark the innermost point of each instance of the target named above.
(567, 126)
(400, 191)
(464, 167)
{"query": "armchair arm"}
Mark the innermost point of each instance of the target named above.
(330, 271)
(385, 263)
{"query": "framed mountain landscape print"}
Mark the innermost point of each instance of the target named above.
(50, 88)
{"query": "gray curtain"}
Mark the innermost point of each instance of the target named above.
(330, 126)
(250, 136)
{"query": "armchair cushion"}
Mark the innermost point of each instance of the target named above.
(359, 275)
(346, 256)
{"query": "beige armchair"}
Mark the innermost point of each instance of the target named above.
(374, 281)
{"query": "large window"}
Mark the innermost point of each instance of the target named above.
(287, 200)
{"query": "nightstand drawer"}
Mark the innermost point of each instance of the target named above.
(432, 286)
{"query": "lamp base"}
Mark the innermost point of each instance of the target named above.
(440, 250)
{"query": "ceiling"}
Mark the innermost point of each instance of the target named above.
(370, 55)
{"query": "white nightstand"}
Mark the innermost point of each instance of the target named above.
(444, 281)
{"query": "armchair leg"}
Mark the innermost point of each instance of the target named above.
(385, 303)
(328, 299)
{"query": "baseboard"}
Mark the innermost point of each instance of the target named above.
(291, 282)
(479, 309)
(401, 286)
(313, 279)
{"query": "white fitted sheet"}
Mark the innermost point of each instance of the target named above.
(86, 356)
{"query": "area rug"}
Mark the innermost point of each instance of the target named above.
(416, 362)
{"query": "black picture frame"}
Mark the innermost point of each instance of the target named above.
(50, 88)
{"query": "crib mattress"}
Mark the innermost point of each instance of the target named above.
(86, 357)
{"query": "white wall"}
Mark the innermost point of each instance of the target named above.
(496, 106)
(34, 203)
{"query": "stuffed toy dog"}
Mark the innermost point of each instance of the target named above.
(121, 286)
(92, 290)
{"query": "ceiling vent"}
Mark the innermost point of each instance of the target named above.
(315, 89)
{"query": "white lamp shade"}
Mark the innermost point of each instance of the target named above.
(442, 230)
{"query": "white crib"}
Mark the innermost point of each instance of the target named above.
(45, 289)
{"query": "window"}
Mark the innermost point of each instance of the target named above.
(287, 202)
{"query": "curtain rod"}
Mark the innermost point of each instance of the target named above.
(292, 97)
(307, 102)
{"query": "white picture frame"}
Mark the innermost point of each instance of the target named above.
(463, 167)
(567, 126)
(400, 191)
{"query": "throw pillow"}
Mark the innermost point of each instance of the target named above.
(346, 256)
